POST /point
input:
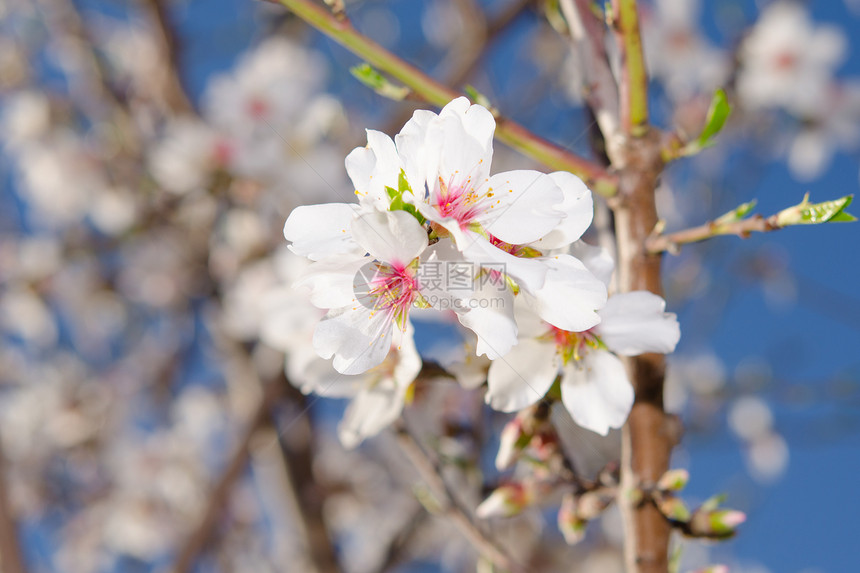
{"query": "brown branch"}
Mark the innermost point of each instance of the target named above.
(200, 535)
(464, 58)
(433, 92)
(649, 434)
(671, 242)
(298, 457)
(65, 24)
(11, 560)
(452, 508)
(588, 33)
(173, 92)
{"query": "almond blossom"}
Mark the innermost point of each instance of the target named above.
(593, 381)
(358, 333)
(788, 61)
(438, 168)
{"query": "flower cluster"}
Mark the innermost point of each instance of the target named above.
(504, 243)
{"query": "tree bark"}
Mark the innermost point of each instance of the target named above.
(650, 433)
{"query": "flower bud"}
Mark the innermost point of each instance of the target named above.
(592, 503)
(713, 569)
(673, 480)
(530, 428)
(571, 526)
(716, 524)
(511, 443)
(507, 500)
(672, 507)
(726, 521)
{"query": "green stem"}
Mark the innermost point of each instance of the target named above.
(634, 81)
(433, 92)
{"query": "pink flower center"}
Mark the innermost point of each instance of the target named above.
(222, 153)
(521, 251)
(573, 345)
(392, 290)
(258, 108)
(460, 201)
(679, 40)
(785, 61)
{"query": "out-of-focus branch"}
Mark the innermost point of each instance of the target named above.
(452, 508)
(465, 65)
(11, 560)
(634, 78)
(399, 543)
(298, 456)
(93, 89)
(588, 33)
(172, 90)
(464, 57)
(196, 541)
(438, 94)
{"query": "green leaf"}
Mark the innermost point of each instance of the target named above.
(396, 196)
(378, 83)
(807, 213)
(736, 214)
(842, 217)
(718, 113)
(552, 11)
(713, 502)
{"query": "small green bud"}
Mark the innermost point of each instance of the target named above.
(673, 508)
(673, 480)
(570, 525)
(507, 500)
(806, 213)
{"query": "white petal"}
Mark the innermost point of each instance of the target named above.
(408, 360)
(596, 391)
(319, 377)
(529, 274)
(635, 322)
(476, 120)
(374, 167)
(570, 296)
(529, 324)
(522, 377)
(490, 315)
(394, 237)
(578, 207)
(333, 280)
(371, 411)
(522, 208)
(317, 231)
(596, 259)
(412, 145)
(356, 338)
(462, 139)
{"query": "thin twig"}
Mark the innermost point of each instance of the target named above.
(196, 541)
(11, 560)
(452, 508)
(173, 92)
(299, 461)
(587, 34)
(671, 242)
(463, 59)
(435, 93)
